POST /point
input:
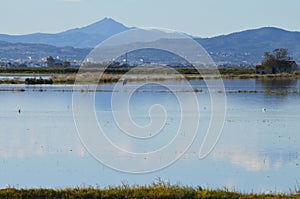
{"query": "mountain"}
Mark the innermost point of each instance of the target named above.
(249, 46)
(85, 37)
(240, 48)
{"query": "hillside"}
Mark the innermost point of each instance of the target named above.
(11, 51)
(85, 37)
(250, 45)
(240, 48)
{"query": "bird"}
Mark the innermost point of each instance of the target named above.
(19, 111)
(264, 109)
(125, 81)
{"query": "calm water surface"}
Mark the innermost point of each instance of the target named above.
(257, 151)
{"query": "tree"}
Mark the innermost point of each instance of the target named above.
(281, 54)
(50, 61)
(278, 62)
(66, 64)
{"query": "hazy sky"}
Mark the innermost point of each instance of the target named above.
(203, 18)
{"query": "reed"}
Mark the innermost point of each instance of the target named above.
(162, 191)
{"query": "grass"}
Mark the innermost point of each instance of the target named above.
(267, 92)
(90, 75)
(11, 81)
(42, 70)
(154, 191)
(278, 92)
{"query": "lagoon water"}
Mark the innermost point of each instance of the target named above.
(257, 151)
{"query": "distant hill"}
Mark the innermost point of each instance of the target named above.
(240, 48)
(250, 45)
(85, 37)
(38, 51)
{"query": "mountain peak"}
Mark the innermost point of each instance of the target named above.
(269, 30)
(108, 19)
(106, 26)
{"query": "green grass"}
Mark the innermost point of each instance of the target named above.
(125, 191)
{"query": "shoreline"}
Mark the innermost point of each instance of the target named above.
(88, 78)
(84, 89)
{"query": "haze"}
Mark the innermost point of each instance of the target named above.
(198, 17)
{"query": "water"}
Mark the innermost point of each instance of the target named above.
(257, 151)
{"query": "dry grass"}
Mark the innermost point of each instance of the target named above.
(91, 75)
(154, 191)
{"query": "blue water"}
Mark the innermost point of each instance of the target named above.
(257, 151)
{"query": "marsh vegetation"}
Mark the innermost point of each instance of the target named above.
(110, 75)
(136, 192)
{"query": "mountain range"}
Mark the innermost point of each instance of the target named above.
(240, 48)
(250, 45)
(85, 37)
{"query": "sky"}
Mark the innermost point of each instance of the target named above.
(204, 18)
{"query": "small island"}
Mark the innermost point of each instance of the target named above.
(278, 62)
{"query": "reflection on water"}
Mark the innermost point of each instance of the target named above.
(277, 84)
(258, 151)
(257, 160)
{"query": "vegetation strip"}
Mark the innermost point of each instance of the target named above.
(135, 192)
(111, 75)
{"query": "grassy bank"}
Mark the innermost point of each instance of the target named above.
(41, 70)
(169, 192)
(90, 75)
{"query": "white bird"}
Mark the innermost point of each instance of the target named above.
(264, 109)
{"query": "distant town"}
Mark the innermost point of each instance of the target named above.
(58, 62)
(44, 62)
